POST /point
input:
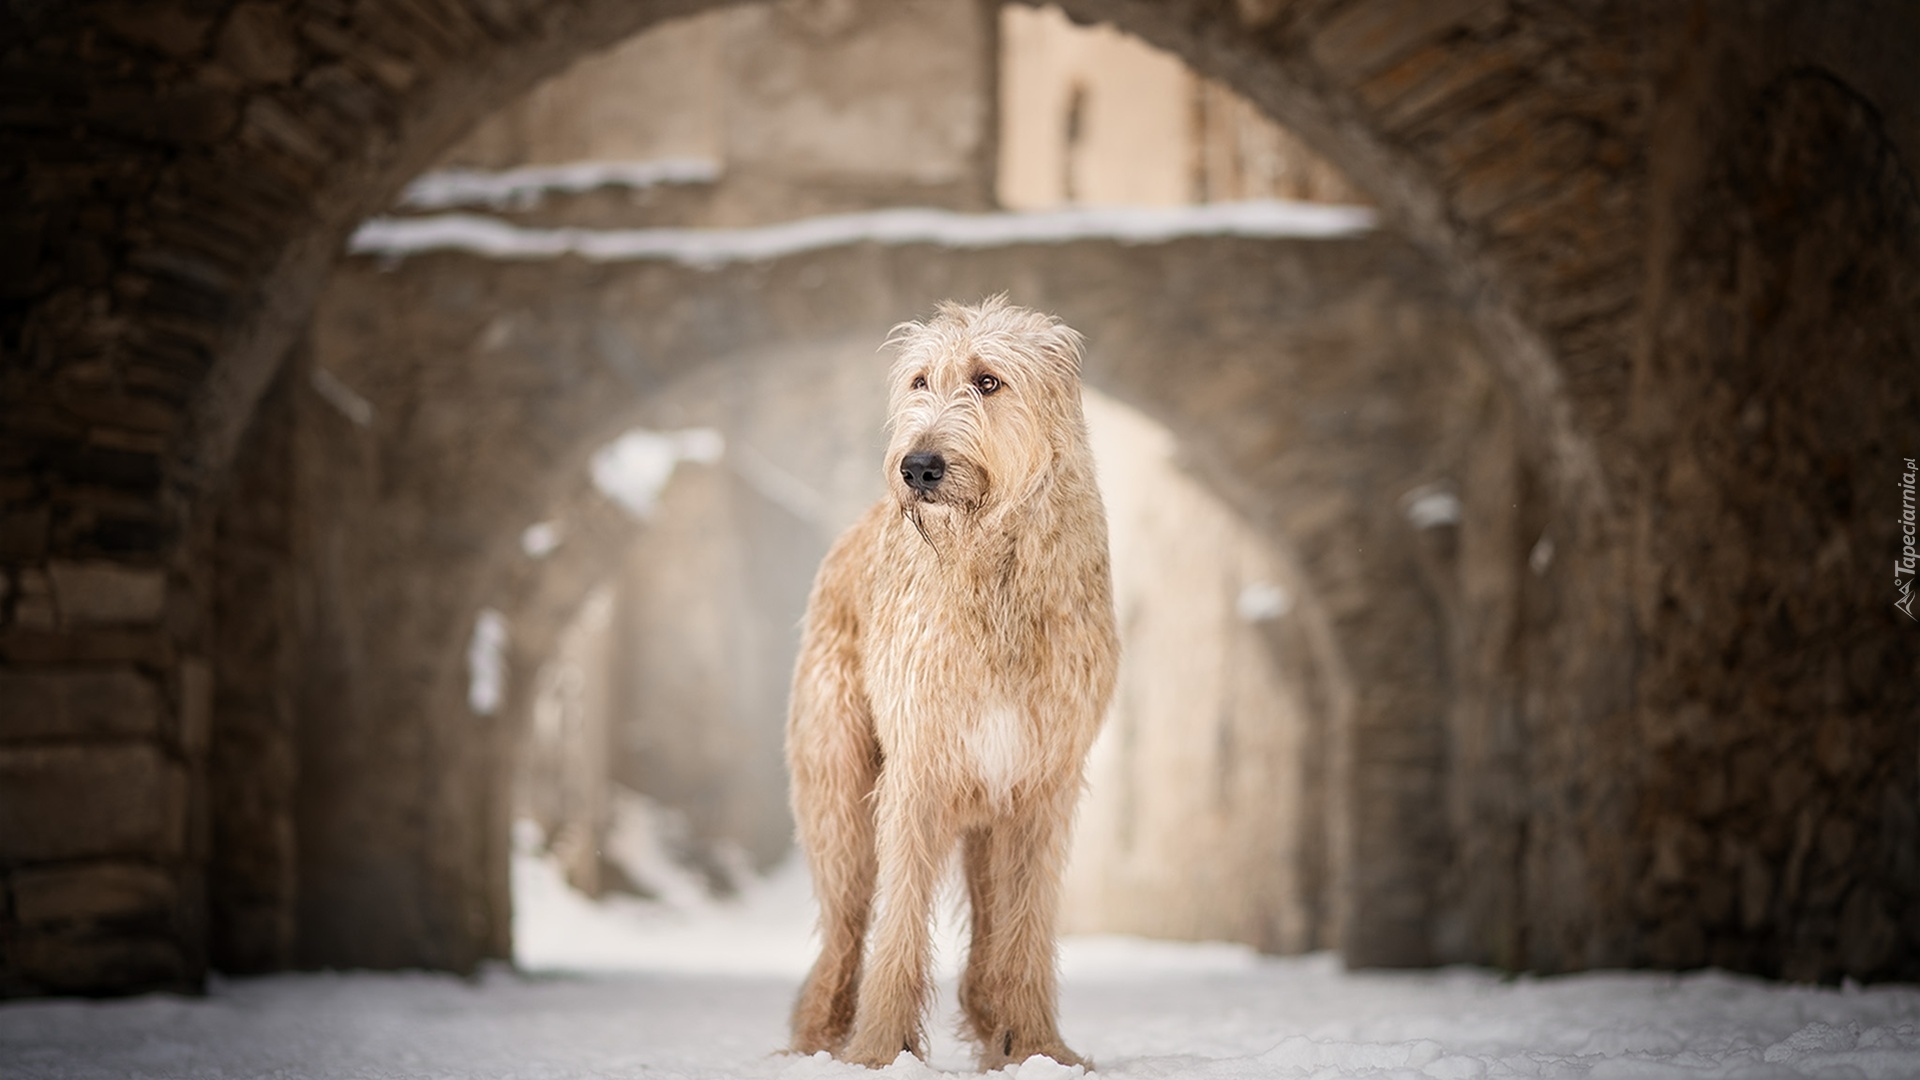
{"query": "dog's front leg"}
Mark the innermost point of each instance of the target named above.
(1026, 853)
(915, 831)
(834, 766)
(977, 994)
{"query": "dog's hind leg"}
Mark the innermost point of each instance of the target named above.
(1026, 852)
(833, 759)
(915, 834)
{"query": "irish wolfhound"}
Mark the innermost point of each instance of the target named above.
(957, 657)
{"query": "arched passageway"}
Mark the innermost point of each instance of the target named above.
(1660, 216)
(1259, 353)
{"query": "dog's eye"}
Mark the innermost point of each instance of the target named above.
(919, 382)
(985, 383)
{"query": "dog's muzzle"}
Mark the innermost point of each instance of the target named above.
(923, 471)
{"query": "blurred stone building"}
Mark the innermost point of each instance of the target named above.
(795, 109)
(770, 111)
(1091, 115)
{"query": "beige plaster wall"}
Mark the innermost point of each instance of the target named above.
(1091, 115)
(802, 107)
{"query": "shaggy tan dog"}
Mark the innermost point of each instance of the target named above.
(958, 655)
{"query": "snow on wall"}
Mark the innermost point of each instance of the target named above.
(634, 468)
(526, 188)
(399, 237)
(541, 539)
(1431, 506)
(342, 397)
(487, 663)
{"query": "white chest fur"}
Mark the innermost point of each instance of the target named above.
(997, 749)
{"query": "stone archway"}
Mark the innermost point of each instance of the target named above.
(233, 150)
(185, 173)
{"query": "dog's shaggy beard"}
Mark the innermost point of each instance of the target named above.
(983, 491)
(912, 513)
(945, 524)
(944, 520)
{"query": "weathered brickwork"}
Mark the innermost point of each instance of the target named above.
(1590, 176)
(1778, 685)
(1689, 234)
(253, 781)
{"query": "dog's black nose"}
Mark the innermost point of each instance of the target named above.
(922, 471)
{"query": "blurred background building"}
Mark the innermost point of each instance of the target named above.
(669, 684)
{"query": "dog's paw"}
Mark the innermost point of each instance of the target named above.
(880, 1061)
(875, 1054)
(1009, 1051)
(810, 1039)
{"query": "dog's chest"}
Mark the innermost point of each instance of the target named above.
(996, 750)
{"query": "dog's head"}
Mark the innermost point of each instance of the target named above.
(985, 401)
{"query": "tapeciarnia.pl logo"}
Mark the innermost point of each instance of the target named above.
(1903, 567)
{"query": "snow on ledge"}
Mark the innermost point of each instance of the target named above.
(398, 237)
(524, 188)
(633, 469)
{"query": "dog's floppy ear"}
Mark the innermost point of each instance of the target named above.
(1061, 345)
(1066, 345)
(902, 335)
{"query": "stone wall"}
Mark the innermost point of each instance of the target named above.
(798, 108)
(253, 757)
(564, 744)
(770, 112)
(712, 594)
(1779, 690)
(1663, 276)
(1095, 116)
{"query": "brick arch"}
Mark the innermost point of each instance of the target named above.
(1506, 141)
(228, 152)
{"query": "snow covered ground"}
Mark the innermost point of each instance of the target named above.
(701, 989)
